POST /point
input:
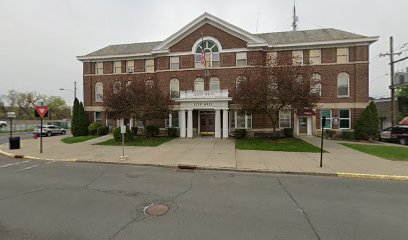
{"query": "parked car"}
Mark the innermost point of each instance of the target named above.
(3, 124)
(397, 133)
(49, 130)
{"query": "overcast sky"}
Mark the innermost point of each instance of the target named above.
(41, 38)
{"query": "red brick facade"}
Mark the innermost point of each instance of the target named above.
(227, 72)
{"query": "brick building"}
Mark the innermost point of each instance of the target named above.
(203, 97)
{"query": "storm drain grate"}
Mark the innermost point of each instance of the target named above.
(156, 209)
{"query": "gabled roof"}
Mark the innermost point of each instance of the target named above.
(273, 39)
(316, 35)
(251, 39)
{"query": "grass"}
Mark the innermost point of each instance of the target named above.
(387, 152)
(285, 145)
(139, 141)
(78, 139)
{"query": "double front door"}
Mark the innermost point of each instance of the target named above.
(207, 123)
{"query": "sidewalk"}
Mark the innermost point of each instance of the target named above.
(217, 154)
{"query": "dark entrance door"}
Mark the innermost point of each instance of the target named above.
(207, 120)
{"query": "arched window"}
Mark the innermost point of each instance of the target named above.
(116, 87)
(343, 85)
(239, 80)
(98, 92)
(199, 84)
(149, 84)
(174, 88)
(211, 54)
(214, 83)
(316, 85)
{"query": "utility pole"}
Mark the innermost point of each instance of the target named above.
(392, 87)
(392, 80)
(75, 89)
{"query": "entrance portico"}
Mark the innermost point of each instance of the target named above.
(212, 106)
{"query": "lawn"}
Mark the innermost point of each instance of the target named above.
(285, 145)
(139, 141)
(387, 152)
(78, 139)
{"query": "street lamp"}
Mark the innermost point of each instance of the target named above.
(67, 89)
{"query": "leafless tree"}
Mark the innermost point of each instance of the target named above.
(280, 87)
(141, 100)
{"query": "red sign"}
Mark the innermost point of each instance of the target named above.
(307, 112)
(41, 110)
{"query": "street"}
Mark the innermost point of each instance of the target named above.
(62, 200)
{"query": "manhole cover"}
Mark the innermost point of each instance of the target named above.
(156, 209)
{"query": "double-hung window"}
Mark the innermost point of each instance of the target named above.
(241, 59)
(343, 85)
(99, 68)
(173, 120)
(297, 57)
(117, 67)
(328, 114)
(315, 56)
(242, 120)
(284, 119)
(174, 63)
(345, 118)
(130, 66)
(342, 55)
(149, 65)
(272, 58)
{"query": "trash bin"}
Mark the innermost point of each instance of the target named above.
(14, 142)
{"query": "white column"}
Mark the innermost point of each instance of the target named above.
(182, 119)
(217, 123)
(190, 124)
(225, 123)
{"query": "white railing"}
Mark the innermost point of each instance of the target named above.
(203, 94)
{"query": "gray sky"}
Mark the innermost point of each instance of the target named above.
(41, 38)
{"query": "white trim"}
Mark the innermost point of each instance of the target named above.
(198, 42)
(217, 22)
(331, 117)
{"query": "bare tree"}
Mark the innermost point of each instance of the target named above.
(278, 88)
(136, 99)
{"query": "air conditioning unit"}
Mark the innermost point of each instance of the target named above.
(129, 70)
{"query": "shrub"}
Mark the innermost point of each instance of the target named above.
(92, 129)
(152, 131)
(102, 130)
(329, 134)
(240, 133)
(367, 125)
(347, 135)
(172, 132)
(288, 132)
(118, 136)
(134, 131)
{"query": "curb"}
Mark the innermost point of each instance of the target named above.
(194, 167)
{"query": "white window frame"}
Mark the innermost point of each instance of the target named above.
(297, 57)
(316, 86)
(247, 119)
(315, 56)
(289, 113)
(272, 58)
(149, 65)
(241, 56)
(331, 117)
(175, 63)
(348, 84)
(199, 80)
(99, 92)
(95, 120)
(343, 55)
(174, 81)
(99, 68)
(130, 66)
(212, 59)
(169, 121)
(117, 67)
(349, 118)
(215, 80)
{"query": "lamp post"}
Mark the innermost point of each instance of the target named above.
(11, 115)
(67, 89)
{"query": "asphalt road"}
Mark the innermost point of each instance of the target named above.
(55, 200)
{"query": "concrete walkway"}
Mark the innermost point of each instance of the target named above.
(218, 154)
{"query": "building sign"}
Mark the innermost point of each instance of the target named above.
(307, 112)
(203, 104)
